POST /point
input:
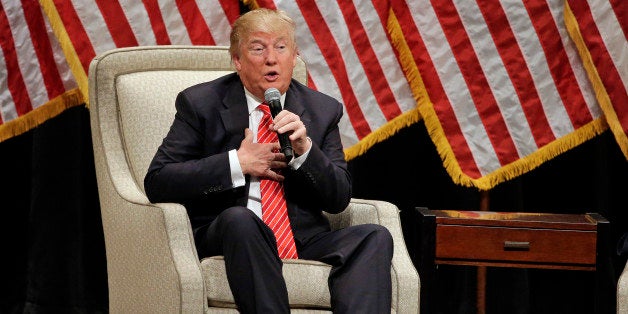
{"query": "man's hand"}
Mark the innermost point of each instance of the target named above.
(259, 159)
(290, 123)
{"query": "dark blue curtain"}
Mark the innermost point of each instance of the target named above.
(52, 239)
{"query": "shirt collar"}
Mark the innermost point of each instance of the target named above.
(252, 102)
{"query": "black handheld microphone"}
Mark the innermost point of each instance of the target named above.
(273, 99)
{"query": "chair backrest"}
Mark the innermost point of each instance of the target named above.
(135, 90)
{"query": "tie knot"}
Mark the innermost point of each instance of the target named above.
(264, 108)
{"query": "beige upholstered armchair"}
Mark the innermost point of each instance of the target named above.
(152, 264)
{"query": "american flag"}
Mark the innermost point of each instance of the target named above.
(501, 85)
(47, 46)
(35, 81)
(600, 30)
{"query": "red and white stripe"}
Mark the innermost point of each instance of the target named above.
(603, 25)
(349, 57)
(32, 68)
(99, 25)
(503, 77)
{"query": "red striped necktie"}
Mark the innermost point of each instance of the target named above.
(274, 209)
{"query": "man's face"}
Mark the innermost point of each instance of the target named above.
(266, 60)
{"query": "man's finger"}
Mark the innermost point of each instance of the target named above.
(279, 157)
(277, 177)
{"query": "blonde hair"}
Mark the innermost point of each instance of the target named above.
(260, 20)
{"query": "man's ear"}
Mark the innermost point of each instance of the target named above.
(235, 59)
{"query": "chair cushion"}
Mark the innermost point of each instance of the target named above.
(314, 294)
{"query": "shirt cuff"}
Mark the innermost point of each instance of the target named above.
(297, 162)
(237, 177)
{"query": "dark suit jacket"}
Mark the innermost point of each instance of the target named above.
(192, 166)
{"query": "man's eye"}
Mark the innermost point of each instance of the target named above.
(256, 50)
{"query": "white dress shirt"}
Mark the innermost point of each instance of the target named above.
(237, 177)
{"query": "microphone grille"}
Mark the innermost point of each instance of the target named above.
(272, 94)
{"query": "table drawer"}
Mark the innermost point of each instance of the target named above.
(526, 245)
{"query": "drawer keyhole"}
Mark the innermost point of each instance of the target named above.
(516, 246)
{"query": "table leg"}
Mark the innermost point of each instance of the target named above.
(605, 285)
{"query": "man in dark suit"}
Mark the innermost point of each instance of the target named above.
(212, 162)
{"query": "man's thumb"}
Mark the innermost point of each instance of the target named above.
(248, 135)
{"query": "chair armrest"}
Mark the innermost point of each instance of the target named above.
(152, 264)
(405, 277)
(622, 291)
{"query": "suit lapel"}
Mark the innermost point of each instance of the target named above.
(235, 115)
(294, 105)
(235, 118)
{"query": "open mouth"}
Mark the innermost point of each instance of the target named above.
(272, 75)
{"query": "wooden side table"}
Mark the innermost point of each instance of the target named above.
(504, 239)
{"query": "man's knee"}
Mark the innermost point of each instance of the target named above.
(235, 214)
(237, 221)
(380, 236)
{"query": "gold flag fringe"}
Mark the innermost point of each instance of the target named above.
(594, 77)
(66, 45)
(434, 128)
(252, 4)
(534, 160)
(39, 115)
(387, 130)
